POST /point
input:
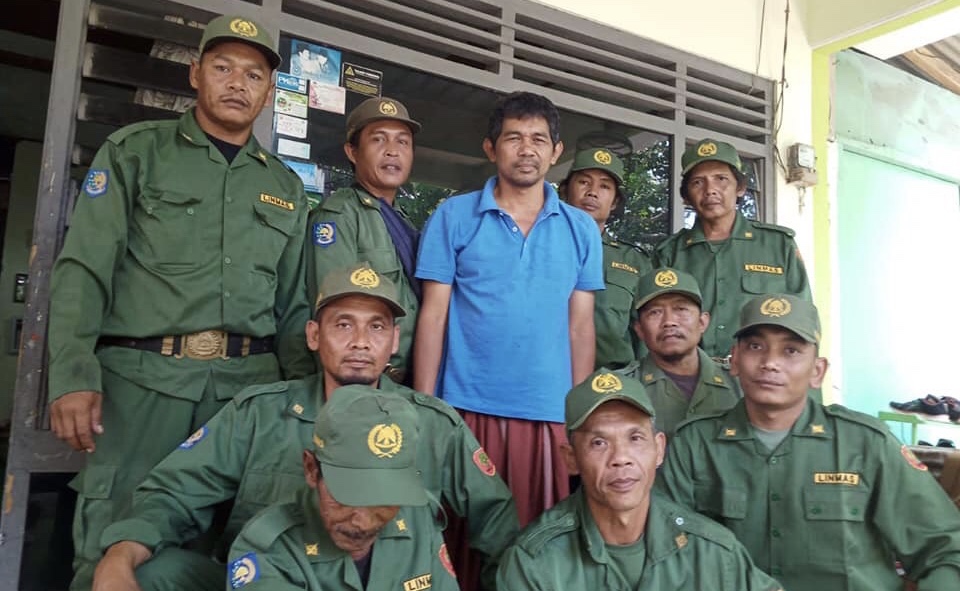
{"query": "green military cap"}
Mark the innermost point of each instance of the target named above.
(788, 311)
(600, 159)
(603, 386)
(238, 28)
(710, 149)
(359, 279)
(666, 280)
(378, 109)
(366, 443)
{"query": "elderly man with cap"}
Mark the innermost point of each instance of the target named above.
(681, 379)
(364, 522)
(823, 497)
(251, 451)
(595, 185)
(732, 258)
(365, 222)
(181, 280)
(613, 533)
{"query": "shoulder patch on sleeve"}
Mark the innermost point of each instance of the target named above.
(846, 414)
(96, 183)
(244, 570)
(782, 229)
(323, 234)
(197, 436)
(252, 391)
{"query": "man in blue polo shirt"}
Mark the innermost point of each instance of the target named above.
(506, 326)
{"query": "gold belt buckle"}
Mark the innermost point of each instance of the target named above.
(205, 345)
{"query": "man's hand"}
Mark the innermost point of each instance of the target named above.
(116, 570)
(75, 418)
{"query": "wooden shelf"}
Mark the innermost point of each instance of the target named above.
(914, 421)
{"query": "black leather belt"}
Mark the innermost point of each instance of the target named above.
(204, 345)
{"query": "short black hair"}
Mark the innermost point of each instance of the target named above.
(741, 180)
(523, 105)
(619, 198)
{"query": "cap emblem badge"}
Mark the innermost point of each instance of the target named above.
(243, 27)
(606, 383)
(666, 279)
(388, 108)
(385, 441)
(707, 149)
(603, 157)
(775, 307)
(365, 277)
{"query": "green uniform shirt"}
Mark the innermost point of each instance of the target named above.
(251, 451)
(347, 228)
(828, 509)
(167, 239)
(286, 547)
(756, 259)
(563, 549)
(716, 391)
(623, 265)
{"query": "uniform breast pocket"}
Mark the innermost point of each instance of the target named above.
(260, 489)
(621, 289)
(834, 521)
(383, 260)
(728, 505)
(275, 225)
(761, 283)
(166, 229)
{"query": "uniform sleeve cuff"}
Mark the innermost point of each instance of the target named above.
(131, 530)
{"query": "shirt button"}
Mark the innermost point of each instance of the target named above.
(149, 210)
(189, 211)
(227, 260)
(854, 511)
(774, 460)
(679, 521)
(721, 327)
(516, 229)
(775, 533)
(776, 572)
(815, 510)
(229, 199)
(775, 497)
(226, 294)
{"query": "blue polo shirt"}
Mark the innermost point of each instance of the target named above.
(507, 349)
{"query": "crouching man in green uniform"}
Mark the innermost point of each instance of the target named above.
(823, 497)
(251, 452)
(364, 522)
(680, 378)
(595, 185)
(613, 533)
(181, 281)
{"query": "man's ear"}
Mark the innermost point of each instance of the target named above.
(569, 458)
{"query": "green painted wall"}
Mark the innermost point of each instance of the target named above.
(897, 218)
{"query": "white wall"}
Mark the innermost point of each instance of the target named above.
(729, 32)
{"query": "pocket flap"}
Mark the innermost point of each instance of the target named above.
(832, 503)
(95, 482)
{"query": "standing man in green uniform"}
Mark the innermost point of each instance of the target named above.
(680, 378)
(595, 185)
(613, 533)
(732, 258)
(180, 281)
(823, 497)
(364, 223)
(251, 452)
(364, 522)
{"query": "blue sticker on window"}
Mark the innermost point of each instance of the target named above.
(244, 570)
(324, 233)
(194, 439)
(97, 181)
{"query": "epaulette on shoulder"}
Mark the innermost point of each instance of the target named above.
(697, 418)
(123, 133)
(536, 537)
(702, 527)
(845, 414)
(336, 201)
(253, 391)
(263, 530)
(434, 403)
(782, 229)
